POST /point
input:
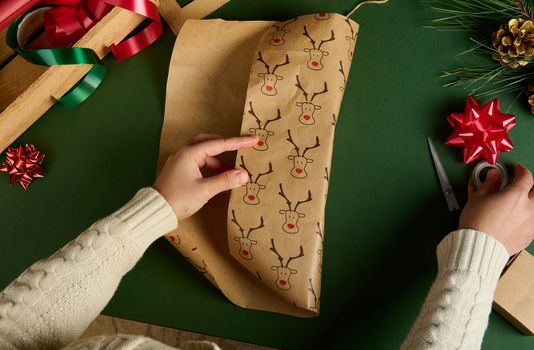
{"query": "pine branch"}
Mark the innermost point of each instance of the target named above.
(526, 7)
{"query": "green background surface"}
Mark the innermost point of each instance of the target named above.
(385, 211)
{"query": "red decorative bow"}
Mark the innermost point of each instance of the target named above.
(68, 20)
(481, 131)
(23, 164)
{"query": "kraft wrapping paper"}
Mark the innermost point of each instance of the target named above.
(283, 81)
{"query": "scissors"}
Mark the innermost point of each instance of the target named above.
(446, 187)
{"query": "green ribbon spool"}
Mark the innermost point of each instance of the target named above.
(61, 56)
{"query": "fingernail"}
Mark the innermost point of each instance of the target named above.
(492, 173)
(241, 177)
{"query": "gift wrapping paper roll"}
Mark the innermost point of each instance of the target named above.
(296, 85)
(283, 82)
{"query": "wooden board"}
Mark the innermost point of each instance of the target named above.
(514, 297)
(175, 15)
(28, 91)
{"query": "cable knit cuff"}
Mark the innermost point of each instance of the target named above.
(474, 251)
(147, 215)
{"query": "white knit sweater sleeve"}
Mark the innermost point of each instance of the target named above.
(51, 303)
(456, 311)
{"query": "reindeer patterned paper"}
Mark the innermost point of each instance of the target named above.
(296, 85)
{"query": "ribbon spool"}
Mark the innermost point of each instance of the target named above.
(477, 171)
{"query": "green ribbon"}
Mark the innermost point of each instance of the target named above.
(61, 56)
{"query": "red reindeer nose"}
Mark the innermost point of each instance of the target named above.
(245, 252)
(322, 14)
(251, 197)
(172, 238)
(350, 53)
(298, 170)
(260, 143)
(306, 117)
(315, 63)
(268, 87)
(283, 282)
(290, 225)
(276, 40)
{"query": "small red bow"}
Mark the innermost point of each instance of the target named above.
(23, 164)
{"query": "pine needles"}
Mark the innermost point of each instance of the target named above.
(481, 18)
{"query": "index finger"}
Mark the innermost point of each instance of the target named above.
(217, 146)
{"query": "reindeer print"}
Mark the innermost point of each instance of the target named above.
(342, 71)
(321, 16)
(279, 33)
(253, 187)
(203, 270)
(291, 215)
(316, 300)
(320, 251)
(284, 272)
(308, 108)
(261, 131)
(245, 243)
(300, 160)
(269, 77)
(351, 39)
(316, 54)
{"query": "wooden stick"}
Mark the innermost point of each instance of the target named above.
(50, 83)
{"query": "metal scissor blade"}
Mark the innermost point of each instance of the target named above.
(446, 187)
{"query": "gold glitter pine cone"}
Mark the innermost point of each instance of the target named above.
(514, 42)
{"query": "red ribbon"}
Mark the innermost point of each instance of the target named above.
(69, 20)
(481, 131)
(23, 164)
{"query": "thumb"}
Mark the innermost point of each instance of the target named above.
(491, 184)
(225, 181)
(523, 179)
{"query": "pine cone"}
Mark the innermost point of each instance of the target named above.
(530, 95)
(514, 42)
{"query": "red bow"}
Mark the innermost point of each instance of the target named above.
(481, 131)
(23, 164)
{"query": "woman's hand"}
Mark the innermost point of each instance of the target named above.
(507, 215)
(182, 184)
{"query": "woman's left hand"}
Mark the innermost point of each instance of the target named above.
(181, 182)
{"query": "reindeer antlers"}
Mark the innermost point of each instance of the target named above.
(258, 120)
(270, 170)
(273, 249)
(260, 58)
(317, 144)
(281, 193)
(298, 85)
(309, 37)
(281, 259)
(304, 201)
(278, 116)
(332, 38)
(297, 148)
(325, 90)
(234, 220)
(257, 227)
(301, 254)
(242, 165)
(252, 113)
(290, 139)
(280, 65)
(351, 29)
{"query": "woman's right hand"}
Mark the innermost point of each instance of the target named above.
(507, 215)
